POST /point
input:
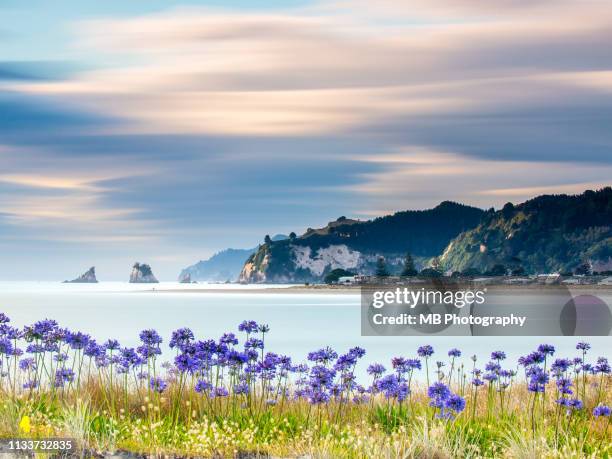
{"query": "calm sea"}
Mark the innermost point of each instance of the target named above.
(299, 322)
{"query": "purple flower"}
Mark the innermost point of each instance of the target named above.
(202, 386)
(254, 343)
(601, 410)
(6, 346)
(546, 349)
(493, 367)
(113, 344)
(454, 353)
(229, 339)
(248, 326)
(241, 388)
(560, 365)
(150, 337)
(77, 340)
(455, 403)
(498, 355)
(323, 355)
(564, 385)
(27, 364)
(158, 384)
(180, 338)
(30, 384)
(602, 366)
(477, 382)
(376, 369)
(582, 346)
(438, 391)
(62, 376)
(185, 363)
(425, 351)
(4, 319)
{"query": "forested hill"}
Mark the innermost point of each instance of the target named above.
(354, 244)
(545, 234)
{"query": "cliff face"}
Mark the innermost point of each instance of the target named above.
(356, 245)
(89, 277)
(142, 274)
(221, 267)
(545, 234)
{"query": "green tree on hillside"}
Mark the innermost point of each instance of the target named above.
(381, 268)
(409, 269)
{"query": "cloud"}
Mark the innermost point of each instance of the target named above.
(417, 177)
(196, 129)
(234, 73)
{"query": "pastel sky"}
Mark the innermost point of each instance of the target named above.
(163, 131)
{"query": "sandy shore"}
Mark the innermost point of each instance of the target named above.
(356, 289)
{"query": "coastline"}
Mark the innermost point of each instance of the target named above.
(356, 289)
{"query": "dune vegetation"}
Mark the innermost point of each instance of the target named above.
(232, 397)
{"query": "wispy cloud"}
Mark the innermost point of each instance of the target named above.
(197, 128)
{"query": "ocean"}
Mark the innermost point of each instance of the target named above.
(299, 322)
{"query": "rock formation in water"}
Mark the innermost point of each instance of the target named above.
(142, 274)
(89, 277)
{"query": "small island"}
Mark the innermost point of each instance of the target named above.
(142, 274)
(88, 277)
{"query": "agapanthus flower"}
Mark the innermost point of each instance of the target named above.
(438, 392)
(490, 377)
(425, 351)
(564, 385)
(498, 355)
(113, 344)
(477, 382)
(181, 338)
(601, 410)
(63, 375)
(455, 403)
(157, 384)
(77, 340)
(6, 346)
(61, 357)
(376, 369)
(323, 355)
(27, 364)
(254, 343)
(546, 349)
(150, 337)
(218, 392)
(186, 363)
(582, 346)
(454, 353)
(318, 397)
(4, 319)
(560, 365)
(229, 339)
(602, 366)
(248, 326)
(148, 351)
(241, 388)
(493, 367)
(263, 328)
(30, 384)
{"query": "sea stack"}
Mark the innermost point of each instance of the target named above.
(142, 274)
(89, 277)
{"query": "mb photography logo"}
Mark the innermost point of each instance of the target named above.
(456, 308)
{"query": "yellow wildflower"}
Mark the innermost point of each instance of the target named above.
(24, 425)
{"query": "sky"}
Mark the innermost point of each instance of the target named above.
(163, 131)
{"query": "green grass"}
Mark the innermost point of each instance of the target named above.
(106, 420)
